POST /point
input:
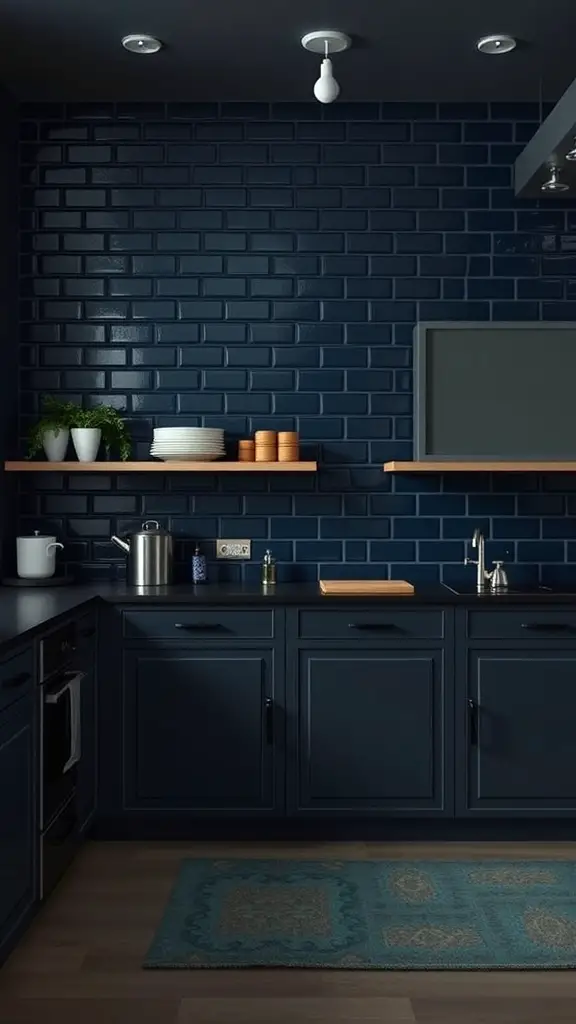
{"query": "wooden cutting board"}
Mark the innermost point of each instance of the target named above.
(366, 588)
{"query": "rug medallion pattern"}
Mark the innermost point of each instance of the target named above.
(386, 915)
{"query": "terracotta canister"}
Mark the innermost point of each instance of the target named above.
(288, 446)
(266, 446)
(246, 450)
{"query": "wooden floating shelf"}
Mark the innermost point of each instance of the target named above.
(160, 467)
(480, 467)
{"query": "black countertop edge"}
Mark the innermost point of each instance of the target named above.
(309, 594)
(24, 612)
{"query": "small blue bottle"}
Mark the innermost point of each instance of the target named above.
(198, 566)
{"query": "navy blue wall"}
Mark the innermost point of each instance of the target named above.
(8, 323)
(257, 266)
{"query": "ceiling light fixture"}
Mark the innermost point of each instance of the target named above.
(137, 42)
(326, 88)
(496, 44)
(554, 184)
(571, 154)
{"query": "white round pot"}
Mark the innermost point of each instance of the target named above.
(55, 444)
(86, 441)
(36, 556)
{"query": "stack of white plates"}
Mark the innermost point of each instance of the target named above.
(188, 444)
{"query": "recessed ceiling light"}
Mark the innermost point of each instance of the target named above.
(140, 43)
(497, 43)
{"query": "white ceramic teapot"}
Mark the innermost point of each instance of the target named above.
(36, 556)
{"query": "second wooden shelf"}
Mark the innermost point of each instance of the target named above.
(480, 467)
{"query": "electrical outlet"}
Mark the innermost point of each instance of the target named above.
(233, 548)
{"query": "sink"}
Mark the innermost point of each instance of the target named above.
(537, 589)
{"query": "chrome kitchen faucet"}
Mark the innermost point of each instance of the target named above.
(481, 575)
(497, 577)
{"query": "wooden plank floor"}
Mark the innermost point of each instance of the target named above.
(80, 963)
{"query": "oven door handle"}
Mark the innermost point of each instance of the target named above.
(71, 686)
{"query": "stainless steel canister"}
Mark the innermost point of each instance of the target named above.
(150, 555)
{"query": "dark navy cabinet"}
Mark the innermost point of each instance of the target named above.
(17, 819)
(371, 732)
(521, 718)
(516, 712)
(370, 711)
(200, 730)
(337, 711)
(202, 699)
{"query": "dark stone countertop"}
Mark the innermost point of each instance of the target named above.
(22, 612)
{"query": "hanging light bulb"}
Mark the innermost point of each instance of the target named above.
(553, 184)
(326, 88)
(571, 154)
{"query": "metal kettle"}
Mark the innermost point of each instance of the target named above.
(150, 555)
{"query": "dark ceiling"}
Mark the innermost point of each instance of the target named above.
(250, 49)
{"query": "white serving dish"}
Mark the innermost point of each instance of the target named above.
(188, 447)
(197, 457)
(188, 432)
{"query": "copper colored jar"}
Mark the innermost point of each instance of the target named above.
(288, 446)
(246, 452)
(266, 446)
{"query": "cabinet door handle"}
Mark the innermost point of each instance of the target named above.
(377, 626)
(269, 714)
(18, 680)
(197, 625)
(551, 627)
(472, 722)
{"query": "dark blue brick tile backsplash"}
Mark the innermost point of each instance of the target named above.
(262, 266)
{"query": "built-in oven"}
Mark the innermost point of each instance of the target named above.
(61, 750)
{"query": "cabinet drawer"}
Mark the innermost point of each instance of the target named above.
(185, 624)
(379, 624)
(16, 677)
(528, 624)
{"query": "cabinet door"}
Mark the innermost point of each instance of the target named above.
(371, 733)
(519, 720)
(199, 730)
(17, 832)
(86, 786)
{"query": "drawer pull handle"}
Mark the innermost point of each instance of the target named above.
(382, 626)
(269, 712)
(197, 625)
(555, 627)
(18, 680)
(472, 722)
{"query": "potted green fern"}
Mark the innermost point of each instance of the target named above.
(89, 428)
(52, 432)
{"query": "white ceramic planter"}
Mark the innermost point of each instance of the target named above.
(86, 441)
(55, 444)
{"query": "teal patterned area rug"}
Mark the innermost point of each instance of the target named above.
(357, 915)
